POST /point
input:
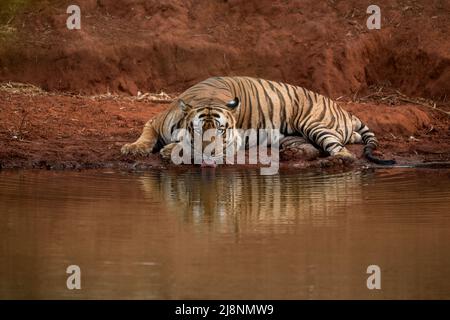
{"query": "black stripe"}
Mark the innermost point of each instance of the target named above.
(272, 107)
(246, 98)
(258, 98)
(256, 95)
(269, 101)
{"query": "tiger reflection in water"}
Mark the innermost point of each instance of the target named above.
(230, 200)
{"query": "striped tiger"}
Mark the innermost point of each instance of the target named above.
(303, 117)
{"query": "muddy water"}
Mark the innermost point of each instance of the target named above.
(225, 234)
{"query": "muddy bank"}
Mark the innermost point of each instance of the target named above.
(391, 78)
(51, 131)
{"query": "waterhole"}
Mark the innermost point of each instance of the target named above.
(225, 234)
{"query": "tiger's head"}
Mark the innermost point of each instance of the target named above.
(211, 126)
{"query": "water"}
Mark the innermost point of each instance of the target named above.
(225, 234)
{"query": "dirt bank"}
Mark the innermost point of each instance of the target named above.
(392, 78)
(76, 132)
(130, 45)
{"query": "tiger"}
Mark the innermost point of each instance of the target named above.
(305, 119)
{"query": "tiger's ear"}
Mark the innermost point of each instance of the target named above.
(233, 104)
(184, 106)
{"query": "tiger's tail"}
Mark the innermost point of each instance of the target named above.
(370, 142)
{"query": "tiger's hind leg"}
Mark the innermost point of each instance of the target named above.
(295, 147)
(330, 142)
(356, 138)
(345, 155)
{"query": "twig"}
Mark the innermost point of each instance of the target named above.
(22, 122)
(424, 105)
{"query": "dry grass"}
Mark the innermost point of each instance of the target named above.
(32, 90)
(161, 97)
(21, 88)
(390, 96)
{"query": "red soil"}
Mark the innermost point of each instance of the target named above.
(131, 45)
(135, 45)
(72, 132)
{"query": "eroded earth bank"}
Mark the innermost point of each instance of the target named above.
(396, 79)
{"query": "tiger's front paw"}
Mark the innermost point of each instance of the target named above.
(136, 149)
(166, 151)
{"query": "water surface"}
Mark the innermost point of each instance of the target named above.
(224, 234)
